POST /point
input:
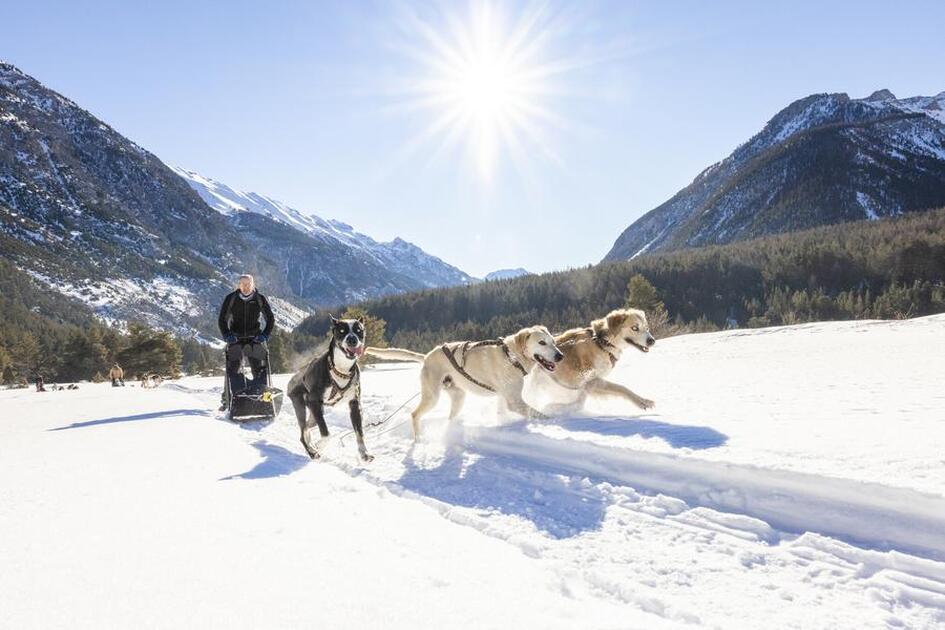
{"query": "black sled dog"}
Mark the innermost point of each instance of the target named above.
(329, 379)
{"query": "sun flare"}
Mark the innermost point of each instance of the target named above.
(487, 80)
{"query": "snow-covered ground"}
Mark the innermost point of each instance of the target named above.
(788, 477)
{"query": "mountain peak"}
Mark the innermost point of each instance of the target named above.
(506, 274)
(6, 66)
(823, 159)
(879, 96)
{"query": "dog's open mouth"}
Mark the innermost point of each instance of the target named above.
(353, 353)
(634, 343)
(545, 363)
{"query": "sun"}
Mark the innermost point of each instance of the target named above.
(485, 88)
(486, 79)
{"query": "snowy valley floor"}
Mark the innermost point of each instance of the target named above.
(788, 477)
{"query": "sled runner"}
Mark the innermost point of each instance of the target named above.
(248, 399)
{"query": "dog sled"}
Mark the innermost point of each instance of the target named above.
(249, 400)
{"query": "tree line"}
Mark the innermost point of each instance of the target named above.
(43, 333)
(892, 268)
(884, 269)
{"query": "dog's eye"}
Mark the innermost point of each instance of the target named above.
(636, 328)
(542, 343)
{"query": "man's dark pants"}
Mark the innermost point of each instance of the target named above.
(256, 354)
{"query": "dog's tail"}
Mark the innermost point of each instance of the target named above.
(395, 354)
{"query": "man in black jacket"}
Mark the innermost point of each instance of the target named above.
(239, 326)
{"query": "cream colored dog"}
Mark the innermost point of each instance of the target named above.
(591, 353)
(496, 367)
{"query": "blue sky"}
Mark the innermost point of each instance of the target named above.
(316, 103)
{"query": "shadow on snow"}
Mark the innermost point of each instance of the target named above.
(676, 435)
(277, 462)
(558, 505)
(134, 418)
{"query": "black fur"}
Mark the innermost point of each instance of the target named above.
(315, 386)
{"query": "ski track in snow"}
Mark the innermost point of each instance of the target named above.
(815, 498)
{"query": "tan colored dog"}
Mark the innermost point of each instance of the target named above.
(495, 367)
(591, 353)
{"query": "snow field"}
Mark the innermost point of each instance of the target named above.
(788, 477)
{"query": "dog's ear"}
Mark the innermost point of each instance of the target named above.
(332, 318)
(615, 320)
(361, 318)
(520, 339)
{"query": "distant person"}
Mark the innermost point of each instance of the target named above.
(241, 330)
(40, 384)
(117, 375)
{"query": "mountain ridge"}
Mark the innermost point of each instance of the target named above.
(823, 159)
(93, 215)
(397, 255)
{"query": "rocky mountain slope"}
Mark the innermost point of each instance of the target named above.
(91, 214)
(420, 269)
(823, 159)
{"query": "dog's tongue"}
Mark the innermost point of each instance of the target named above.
(359, 351)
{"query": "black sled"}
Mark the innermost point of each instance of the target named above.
(251, 401)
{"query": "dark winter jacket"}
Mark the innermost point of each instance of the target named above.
(240, 316)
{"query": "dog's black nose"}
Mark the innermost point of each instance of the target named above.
(351, 340)
(558, 357)
(650, 341)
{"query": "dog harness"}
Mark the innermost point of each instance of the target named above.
(338, 391)
(459, 365)
(604, 345)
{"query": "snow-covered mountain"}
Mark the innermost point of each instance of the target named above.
(823, 159)
(507, 274)
(91, 214)
(397, 255)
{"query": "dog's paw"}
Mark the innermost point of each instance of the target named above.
(366, 458)
(645, 403)
(312, 453)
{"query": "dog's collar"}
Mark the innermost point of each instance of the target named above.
(352, 376)
(514, 360)
(605, 345)
(335, 371)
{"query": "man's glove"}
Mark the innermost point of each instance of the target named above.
(261, 338)
(229, 338)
